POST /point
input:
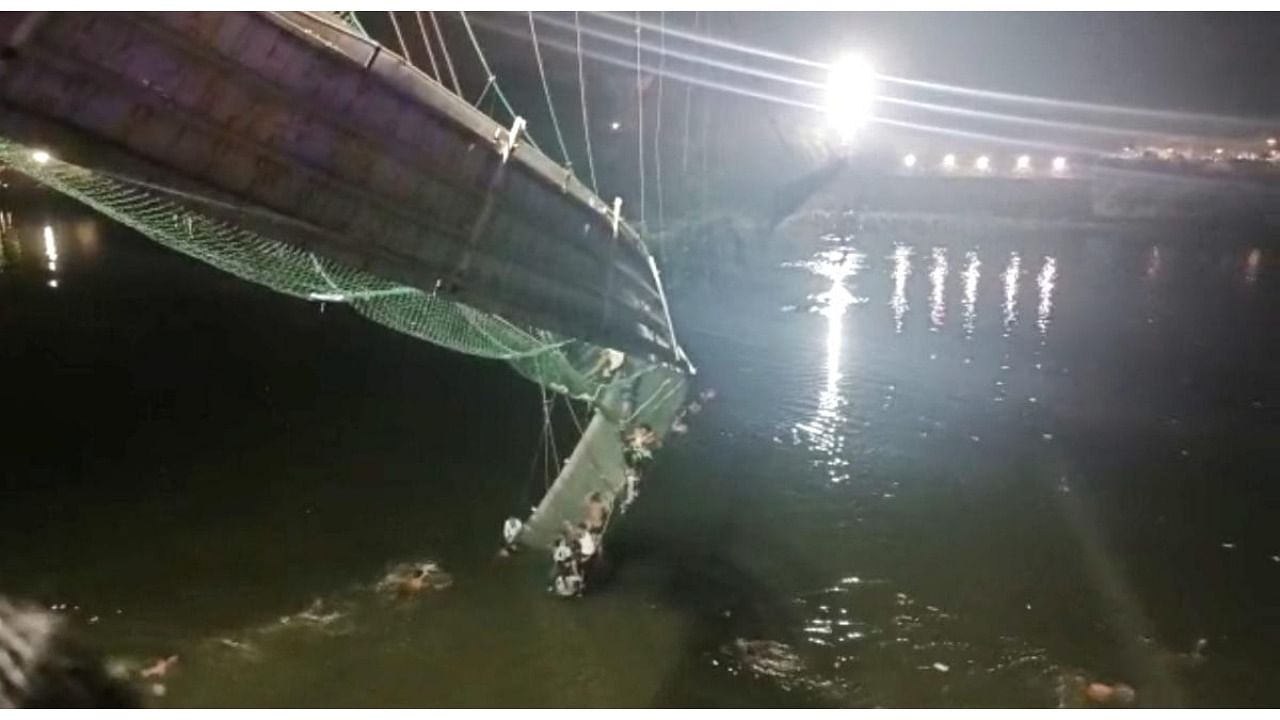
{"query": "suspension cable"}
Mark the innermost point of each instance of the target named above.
(426, 42)
(404, 49)
(1100, 108)
(546, 91)
(657, 131)
(492, 79)
(695, 59)
(688, 105)
(582, 91)
(553, 457)
(448, 57)
(640, 122)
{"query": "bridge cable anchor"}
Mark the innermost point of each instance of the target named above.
(509, 139)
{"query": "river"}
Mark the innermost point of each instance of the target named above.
(942, 469)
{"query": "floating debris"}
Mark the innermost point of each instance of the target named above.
(941, 667)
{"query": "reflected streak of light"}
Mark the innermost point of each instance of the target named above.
(50, 244)
(825, 430)
(51, 252)
(1046, 282)
(1010, 277)
(971, 274)
(901, 271)
(1252, 265)
(937, 288)
(1153, 263)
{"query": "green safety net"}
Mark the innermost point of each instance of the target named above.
(563, 365)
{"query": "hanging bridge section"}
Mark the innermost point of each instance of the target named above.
(326, 156)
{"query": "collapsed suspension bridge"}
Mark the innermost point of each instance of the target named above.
(294, 151)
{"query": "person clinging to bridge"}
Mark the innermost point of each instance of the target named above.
(631, 488)
(639, 443)
(597, 513)
(608, 362)
(566, 577)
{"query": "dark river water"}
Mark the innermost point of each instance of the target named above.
(944, 468)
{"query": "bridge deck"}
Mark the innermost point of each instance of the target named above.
(288, 125)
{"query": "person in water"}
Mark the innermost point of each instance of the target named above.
(413, 578)
(1077, 691)
(568, 585)
(511, 530)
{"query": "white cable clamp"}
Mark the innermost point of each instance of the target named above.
(615, 215)
(509, 139)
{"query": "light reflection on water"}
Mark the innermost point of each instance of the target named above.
(901, 271)
(872, 619)
(971, 277)
(938, 289)
(1011, 276)
(826, 428)
(1045, 282)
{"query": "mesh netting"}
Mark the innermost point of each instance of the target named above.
(565, 366)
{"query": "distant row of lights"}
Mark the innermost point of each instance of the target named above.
(982, 163)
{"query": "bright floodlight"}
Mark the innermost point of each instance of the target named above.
(948, 162)
(615, 125)
(40, 156)
(851, 91)
(1023, 163)
(1059, 164)
(982, 164)
(1271, 142)
(909, 160)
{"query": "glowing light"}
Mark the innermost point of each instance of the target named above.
(1023, 164)
(1046, 282)
(909, 160)
(1059, 164)
(1271, 142)
(948, 162)
(40, 157)
(50, 244)
(53, 283)
(982, 164)
(1153, 263)
(938, 289)
(970, 277)
(1252, 264)
(615, 125)
(901, 271)
(1218, 151)
(851, 92)
(1010, 277)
